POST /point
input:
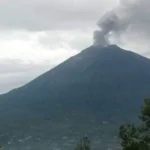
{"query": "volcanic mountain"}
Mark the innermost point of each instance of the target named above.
(89, 93)
(108, 83)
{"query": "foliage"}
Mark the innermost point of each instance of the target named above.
(137, 138)
(83, 144)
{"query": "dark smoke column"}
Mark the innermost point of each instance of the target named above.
(99, 38)
(129, 17)
(107, 24)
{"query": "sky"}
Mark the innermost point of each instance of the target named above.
(37, 35)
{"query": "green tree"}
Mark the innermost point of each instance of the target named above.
(1, 147)
(134, 137)
(145, 114)
(83, 144)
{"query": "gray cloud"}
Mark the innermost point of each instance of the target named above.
(42, 15)
(75, 40)
(14, 73)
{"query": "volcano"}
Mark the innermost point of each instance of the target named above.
(107, 82)
(100, 85)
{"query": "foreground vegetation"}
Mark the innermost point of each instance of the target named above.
(132, 137)
(137, 137)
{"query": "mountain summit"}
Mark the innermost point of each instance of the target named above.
(106, 83)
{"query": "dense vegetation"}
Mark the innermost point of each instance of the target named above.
(137, 137)
(83, 144)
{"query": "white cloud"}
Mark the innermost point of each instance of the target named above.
(29, 49)
(25, 55)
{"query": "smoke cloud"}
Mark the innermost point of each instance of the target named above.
(129, 17)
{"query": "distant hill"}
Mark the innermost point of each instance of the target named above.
(105, 83)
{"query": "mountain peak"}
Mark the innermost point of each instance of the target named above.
(100, 49)
(112, 52)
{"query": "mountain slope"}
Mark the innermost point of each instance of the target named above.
(105, 83)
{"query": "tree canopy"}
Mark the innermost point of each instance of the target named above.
(83, 144)
(137, 137)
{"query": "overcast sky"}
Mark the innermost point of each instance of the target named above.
(36, 35)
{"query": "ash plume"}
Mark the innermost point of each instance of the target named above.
(129, 17)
